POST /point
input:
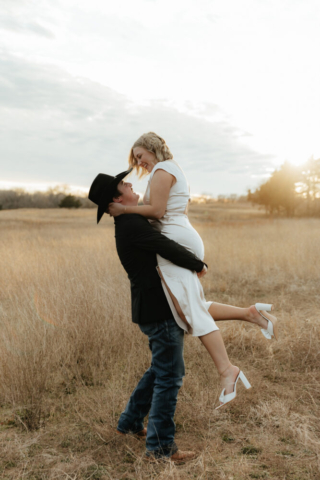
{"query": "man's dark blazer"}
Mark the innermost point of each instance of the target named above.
(137, 244)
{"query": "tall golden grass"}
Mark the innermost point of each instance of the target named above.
(70, 355)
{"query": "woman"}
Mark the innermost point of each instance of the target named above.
(165, 204)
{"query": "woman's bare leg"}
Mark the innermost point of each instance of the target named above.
(214, 344)
(220, 311)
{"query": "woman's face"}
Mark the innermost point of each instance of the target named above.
(144, 158)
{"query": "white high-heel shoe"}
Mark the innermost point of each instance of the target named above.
(231, 396)
(272, 329)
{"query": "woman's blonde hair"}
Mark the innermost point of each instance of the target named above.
(154, 144)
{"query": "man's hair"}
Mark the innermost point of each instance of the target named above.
(117, 194)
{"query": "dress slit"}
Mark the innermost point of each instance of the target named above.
(173, 303)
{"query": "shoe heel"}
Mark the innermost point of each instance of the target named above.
(244, 380)
(267, 307)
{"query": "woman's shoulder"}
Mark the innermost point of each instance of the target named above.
(169, 166)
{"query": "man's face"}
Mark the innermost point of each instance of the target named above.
(128, 196)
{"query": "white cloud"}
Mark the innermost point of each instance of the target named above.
(21, 26)
(58, 128)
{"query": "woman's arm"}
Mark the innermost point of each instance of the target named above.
(160, 186)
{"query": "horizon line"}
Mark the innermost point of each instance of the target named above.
(33, 187)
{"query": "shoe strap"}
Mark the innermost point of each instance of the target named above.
(221, 398)
(230, 396)
(227, 398)
(266, 334)
(269, 327)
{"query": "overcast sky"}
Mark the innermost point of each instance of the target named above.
(232, 86)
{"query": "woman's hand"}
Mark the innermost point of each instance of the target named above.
(116, 209)
(203, 272)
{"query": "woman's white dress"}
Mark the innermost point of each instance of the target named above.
(184, 284)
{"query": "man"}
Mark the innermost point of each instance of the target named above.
(137, 245)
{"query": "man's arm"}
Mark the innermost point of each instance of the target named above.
(145, 237)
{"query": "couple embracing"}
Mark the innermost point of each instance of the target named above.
(163, 256)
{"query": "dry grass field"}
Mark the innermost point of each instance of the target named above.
(70, 356)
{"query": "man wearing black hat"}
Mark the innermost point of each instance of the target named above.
(137, 245)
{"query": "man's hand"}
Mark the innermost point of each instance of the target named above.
(203, 272)
(116, 209)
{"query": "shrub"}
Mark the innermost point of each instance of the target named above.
(70, 201)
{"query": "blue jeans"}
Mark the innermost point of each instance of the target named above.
(157, 391)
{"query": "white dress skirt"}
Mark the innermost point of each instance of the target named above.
(184, 284)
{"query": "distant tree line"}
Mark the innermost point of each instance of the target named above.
(52, 198)
(291, 190)
(207, 199)
(59, 197)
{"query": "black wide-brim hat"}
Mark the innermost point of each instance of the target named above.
(103, 190)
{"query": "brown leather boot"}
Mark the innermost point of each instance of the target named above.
(142, 435)
(181, 457)
(178, 457)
